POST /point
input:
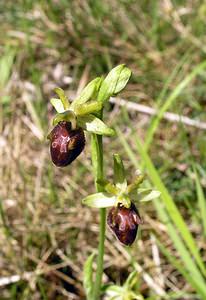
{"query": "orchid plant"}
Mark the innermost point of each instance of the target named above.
(67, 141)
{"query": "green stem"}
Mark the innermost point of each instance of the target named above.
(100, 259)
(97, 161)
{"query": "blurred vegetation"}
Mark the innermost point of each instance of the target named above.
(46, 234)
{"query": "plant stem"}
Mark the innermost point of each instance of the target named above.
(97, 161)
(100, 259)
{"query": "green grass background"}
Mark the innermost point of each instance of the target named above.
(46, 234)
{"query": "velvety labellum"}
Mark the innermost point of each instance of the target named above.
(65, 144)
(124, 223)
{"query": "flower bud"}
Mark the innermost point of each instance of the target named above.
(124, 223)
(65, 144)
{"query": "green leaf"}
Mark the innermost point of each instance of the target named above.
(87, 276)
(148, 194)
(87, 108)
(88, 93)
(63, 98)
(58, 105)
(119, 173)
(95, 125)
(114, 83)
(99, 200)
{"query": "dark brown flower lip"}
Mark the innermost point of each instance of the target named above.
(66, 144)
(124, 223)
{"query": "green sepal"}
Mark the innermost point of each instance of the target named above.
(119, 173)
(62, 97)
(67, 116)
(94, 125)
(99, 200)
(114, 83)
(87, 276)
(58, 105)
(88, 93)
(88, 108)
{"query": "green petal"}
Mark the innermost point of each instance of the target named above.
(57, 103)
(63, 98)
(135, 184)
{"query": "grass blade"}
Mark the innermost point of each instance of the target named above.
(201, 202)
(178, 265)
(170, 100)
(6, 63)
